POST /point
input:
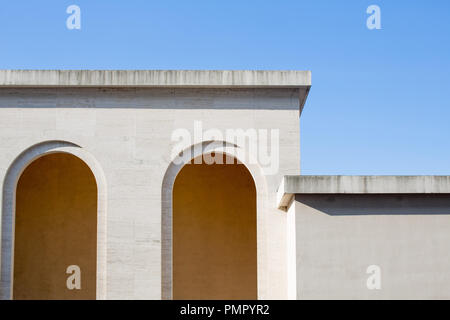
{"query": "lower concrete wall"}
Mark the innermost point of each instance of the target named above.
(339, 236)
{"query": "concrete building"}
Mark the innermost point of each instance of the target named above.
(187, 185)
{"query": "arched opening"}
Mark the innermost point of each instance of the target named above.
(214, 231)
(55, 228)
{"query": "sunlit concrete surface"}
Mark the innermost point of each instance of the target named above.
(315, 235)
(122, 122)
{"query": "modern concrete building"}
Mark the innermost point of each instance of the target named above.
(187, 185)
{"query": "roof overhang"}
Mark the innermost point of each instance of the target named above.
(300, 80)
(156, 78)
(292, 185)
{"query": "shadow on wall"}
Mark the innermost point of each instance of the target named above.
(377, 204)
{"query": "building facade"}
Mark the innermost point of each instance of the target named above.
(186, 185)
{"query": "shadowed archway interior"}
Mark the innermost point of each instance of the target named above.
(214, 232)
(55, 227)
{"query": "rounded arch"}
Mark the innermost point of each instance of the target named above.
(171, 173)
(12, 177)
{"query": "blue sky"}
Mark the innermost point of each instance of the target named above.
(380, 100)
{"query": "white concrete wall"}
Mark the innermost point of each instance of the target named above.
(338, 236)
(128, 131)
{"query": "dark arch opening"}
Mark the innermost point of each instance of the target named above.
(55, 227)
(214, 232)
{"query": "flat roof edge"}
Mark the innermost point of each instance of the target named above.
(156, 78)
(301, 184)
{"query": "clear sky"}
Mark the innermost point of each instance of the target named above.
(380, 100)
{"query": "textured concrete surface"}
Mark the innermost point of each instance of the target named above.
(344, 224)
(121, 122)
(338, 236)
(301, 80)
(156, 78)
(359, 185)
(128, 133)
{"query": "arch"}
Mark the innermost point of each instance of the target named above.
(172, 171)
(9, 202)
